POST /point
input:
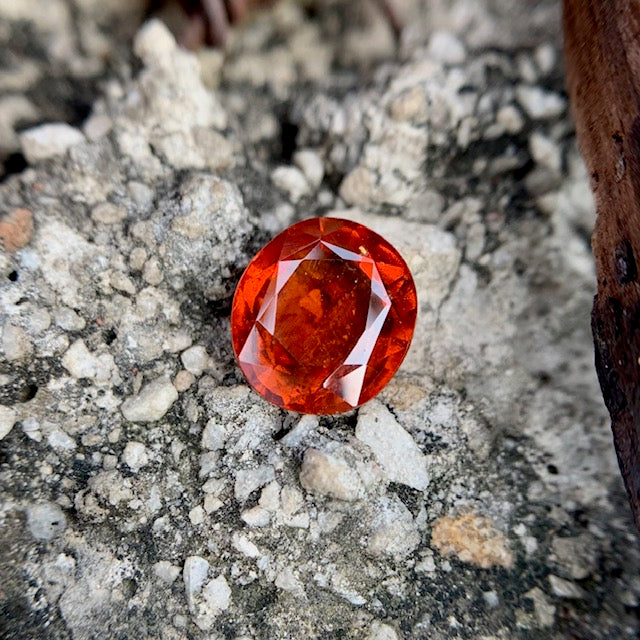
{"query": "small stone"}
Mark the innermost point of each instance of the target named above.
(183, 380)
(357, 187)
(121, 282)
(540, 104)
(426, 207)
(311, 165)
(48, 140)
(60, 440)
(108, 213)
(152, 273)
(545, 611)
(427, 564)
(248, 480)
(395, 450)
(473, 539)
(242, 544)
(256, 517)
(69, 320)
(381, 631)
(211, 503)
(79, 362)
(326, 474)
(97, 126)
(46, 521)
(545, 152)
(16, 229)
(491, 598)
(194, 575)
(297, 436)
(166, 571)
(270, 497)
(137, 258)
(152, 403)
(475, 241)
(135, 456)
(564, 588)
(176, 342)
(195, 360)
(412, 105)
(109, 462)
(31, 428)
(154, 44)
(545, 57)
(216, 597)
(292, 181)
(15, 343)
(214, 435)
(287, 581)
(577, 555)
(510, 119)
(196, 515)
(7, 420)
(446, 48)
(394, 530)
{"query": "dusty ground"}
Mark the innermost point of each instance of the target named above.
(145, 491)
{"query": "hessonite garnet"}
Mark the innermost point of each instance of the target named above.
(323, 316)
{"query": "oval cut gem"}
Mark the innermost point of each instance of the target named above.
(323, 316)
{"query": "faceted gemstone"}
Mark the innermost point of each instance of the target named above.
(323, 316)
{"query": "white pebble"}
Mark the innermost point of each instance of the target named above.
(79, 361)
(60, 440)
(291, 180)
(287, 581)
(166, 571)
(545, 152)
(446, 48)
(196, 515)
(396, 451)
(15, 343)
(242, 544)
(69, 320)
(183, 380)
(45, 521)
(256, 517)
(248, 480)
(152, 402)
(7, 420)
(135, 456)
(49, 140)
(381, 631)
(510, 119)
(214, 435)
(195, 359)
(326, 474)
(540, 104)
(211, 503)
(194, 574)
(108, 213)
(311, 165)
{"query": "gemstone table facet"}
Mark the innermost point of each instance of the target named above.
(323, 316)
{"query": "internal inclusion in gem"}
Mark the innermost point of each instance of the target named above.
(323, 316)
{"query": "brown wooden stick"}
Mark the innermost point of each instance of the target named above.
(602, 51)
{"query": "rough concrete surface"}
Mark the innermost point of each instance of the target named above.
(145, 490)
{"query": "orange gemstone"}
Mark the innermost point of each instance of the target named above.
(323, 316)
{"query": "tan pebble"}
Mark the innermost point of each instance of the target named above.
(183, 380)
(16, 229)
(473, 539)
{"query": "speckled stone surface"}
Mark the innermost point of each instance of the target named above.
(145, 490)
